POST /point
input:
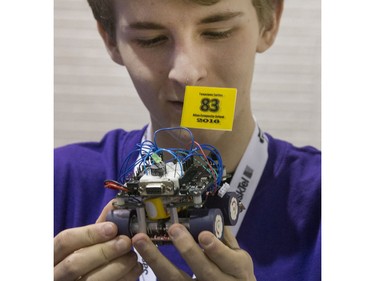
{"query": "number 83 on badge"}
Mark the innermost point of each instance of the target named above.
(209, 108)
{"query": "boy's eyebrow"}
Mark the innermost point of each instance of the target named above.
(144, 25)
(224, 16)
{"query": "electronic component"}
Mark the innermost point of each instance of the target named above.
(172, 185)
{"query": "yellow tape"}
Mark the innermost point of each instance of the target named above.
(155, 209)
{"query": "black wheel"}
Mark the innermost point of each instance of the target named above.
(229, 205)
(122, 218)
(212, 221)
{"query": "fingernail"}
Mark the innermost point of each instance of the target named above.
(109, 229)
(206, 240)
(175, 232)
(140, 245)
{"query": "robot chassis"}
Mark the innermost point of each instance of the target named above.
(191, 191)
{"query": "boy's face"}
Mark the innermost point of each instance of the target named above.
(165, 44)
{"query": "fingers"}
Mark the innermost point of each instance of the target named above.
(161, 266)
(230, 259)
(85, 260)
(123, 268)
(70, 240)
(216, 261)
(212, 261)
(202, 267)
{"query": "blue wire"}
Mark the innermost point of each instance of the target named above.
(172, 129)
(146, 148)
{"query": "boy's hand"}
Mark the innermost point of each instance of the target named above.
(94, 251)
(214, 260)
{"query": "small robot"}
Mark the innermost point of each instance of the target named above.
(164, 186)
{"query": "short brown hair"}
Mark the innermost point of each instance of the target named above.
(103, 12)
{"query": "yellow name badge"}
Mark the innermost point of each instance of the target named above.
(209, 108)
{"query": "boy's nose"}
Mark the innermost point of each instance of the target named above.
(187, 67)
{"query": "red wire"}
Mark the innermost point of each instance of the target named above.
(115, 186)
(208, 163)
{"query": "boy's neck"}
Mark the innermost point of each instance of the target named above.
(232, 145)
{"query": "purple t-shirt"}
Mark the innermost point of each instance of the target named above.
(281, 229)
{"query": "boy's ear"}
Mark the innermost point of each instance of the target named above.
(110, 44)
(268, 35)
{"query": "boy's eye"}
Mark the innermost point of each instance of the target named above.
(146, 43)
(155, 41)
(217, 34)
